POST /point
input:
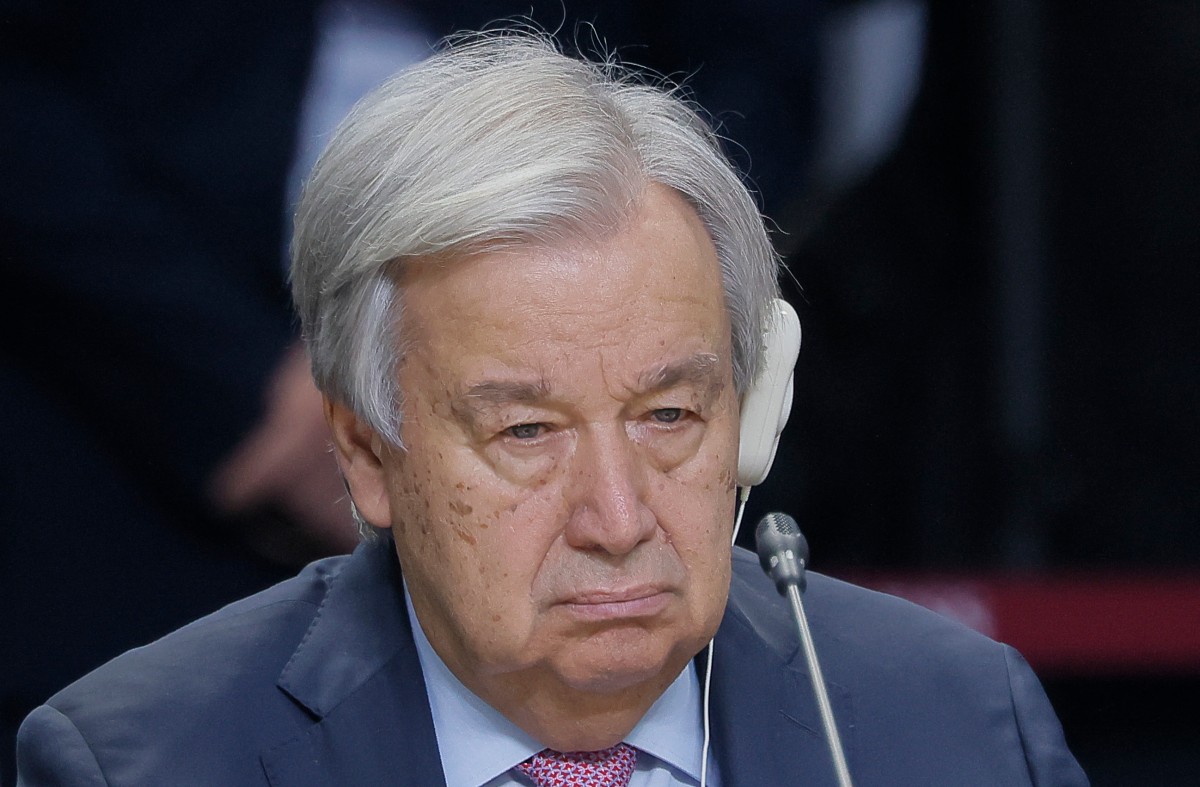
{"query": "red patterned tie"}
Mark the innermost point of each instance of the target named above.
(604, 768)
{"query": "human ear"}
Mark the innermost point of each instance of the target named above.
(359, 452)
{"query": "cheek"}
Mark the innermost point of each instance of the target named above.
(710, 472)
(698, 502)
(483, 528)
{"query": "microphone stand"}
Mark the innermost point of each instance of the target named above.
(783, 554)
(818, 684)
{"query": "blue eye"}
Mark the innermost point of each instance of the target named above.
(525, 431)
(668, 415)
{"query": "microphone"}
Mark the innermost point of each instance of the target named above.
(782, 551)
(783, 555)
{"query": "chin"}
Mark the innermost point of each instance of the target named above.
(613, 680)
(611, 664)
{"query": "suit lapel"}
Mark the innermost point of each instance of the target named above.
(766, 723)
(357, 675)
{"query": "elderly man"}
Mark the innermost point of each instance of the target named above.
(538, 302)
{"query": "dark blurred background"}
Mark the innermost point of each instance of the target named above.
(989, 216)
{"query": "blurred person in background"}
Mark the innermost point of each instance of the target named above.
(164, 449)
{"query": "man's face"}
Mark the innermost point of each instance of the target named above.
(563, 507)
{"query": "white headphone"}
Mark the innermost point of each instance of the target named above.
(768, 401)
(766, 406)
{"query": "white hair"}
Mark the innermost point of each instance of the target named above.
(500, 140)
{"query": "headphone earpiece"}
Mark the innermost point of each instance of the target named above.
(767, 403)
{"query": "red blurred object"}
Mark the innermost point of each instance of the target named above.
(1069, 624)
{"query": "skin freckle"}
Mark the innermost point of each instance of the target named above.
(465, 536)
(460, 508)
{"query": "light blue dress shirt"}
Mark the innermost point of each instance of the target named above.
(479, 746)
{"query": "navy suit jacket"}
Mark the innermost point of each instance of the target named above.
(316, 681)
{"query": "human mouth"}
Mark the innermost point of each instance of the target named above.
(601, 605)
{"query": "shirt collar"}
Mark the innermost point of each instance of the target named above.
(476, 742)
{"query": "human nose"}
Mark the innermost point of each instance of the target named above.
(608, 511)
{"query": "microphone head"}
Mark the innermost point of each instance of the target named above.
(782, 551)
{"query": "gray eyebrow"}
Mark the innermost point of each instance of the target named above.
(698, 369)
(496, 392)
